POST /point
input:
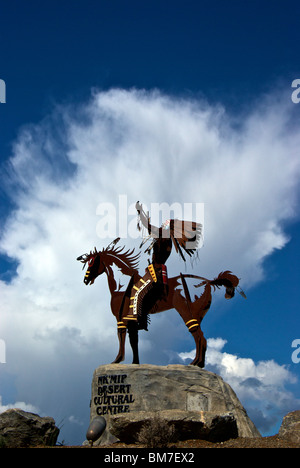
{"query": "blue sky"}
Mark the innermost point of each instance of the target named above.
(97, 94)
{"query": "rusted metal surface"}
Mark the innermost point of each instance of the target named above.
(154, 292)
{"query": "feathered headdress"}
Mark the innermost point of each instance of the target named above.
(185, 235)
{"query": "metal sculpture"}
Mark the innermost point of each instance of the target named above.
(154, 292)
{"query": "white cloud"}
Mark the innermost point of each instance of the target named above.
(149, 147)
(261, 386)
(73, 420)
(20, 405)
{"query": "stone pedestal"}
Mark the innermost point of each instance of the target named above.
(198, 402)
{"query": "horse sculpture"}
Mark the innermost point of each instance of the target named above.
(176, 296)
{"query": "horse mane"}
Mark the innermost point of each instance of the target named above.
(127, 260)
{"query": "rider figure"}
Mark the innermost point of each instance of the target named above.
(140, 298)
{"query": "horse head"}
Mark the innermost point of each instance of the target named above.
(95, 266)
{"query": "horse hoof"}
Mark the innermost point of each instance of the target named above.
(118, 360)
(195, 362)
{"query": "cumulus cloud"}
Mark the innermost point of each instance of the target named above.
(146, 146)
(20, 405)
(260, 386)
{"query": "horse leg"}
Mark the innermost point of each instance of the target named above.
(122, 336)
(118, 311)
(184, 308)
(193, 327)
(134, 338)
(200, 342)
(197, 338)
(203, 345)
(199, 308)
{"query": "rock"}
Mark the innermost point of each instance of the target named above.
(198, 402)
(290, 427)
(19, 428)
(187, 424)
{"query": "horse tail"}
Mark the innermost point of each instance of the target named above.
(230, 282)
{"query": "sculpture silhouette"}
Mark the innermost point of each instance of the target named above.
(154, 292)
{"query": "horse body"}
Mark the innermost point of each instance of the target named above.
(192, 312)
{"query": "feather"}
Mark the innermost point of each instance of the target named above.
(184, 232)
(241, 292)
